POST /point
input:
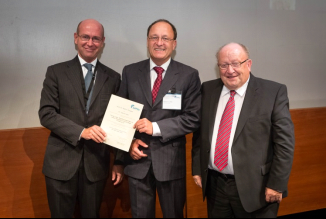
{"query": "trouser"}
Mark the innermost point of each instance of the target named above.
(62, 195)
(223, 200)
(172, 196)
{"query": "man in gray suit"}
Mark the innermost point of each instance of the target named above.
(73, 102)
(170, 92)
(243, 152)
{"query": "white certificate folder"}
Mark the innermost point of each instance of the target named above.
(120, 117)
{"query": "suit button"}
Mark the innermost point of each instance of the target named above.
(206, 170)
(208, 151)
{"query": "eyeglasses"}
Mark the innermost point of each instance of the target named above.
(86, 38)
(234, 65)
(156, 39)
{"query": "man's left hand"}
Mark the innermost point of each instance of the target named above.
(144, 126)
(117, 174)
(273, 196)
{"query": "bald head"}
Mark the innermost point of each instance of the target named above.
(89, 39)
(91, 22)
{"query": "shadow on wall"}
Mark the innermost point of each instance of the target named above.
(116, 200)
(34, 143)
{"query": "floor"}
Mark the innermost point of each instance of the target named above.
(311, 214)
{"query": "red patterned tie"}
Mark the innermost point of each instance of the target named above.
(224, 132)
(157, 83)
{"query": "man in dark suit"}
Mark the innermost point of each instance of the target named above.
(243, 152)
(170, 92)
(73, 103)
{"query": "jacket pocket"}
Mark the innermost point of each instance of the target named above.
(266, 168)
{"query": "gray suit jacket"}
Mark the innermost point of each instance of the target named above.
(166, 153)
(263, 145)
(62, 110)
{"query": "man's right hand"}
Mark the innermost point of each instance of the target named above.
(134, 151)
(94, 133)
(198, 181)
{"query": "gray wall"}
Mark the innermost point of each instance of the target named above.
(287, 40)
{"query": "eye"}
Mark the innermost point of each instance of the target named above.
(235, 65)
(96, 39)
(85, 37)
(224, 66)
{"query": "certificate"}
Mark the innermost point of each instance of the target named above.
(120, 117)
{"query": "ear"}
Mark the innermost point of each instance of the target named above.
(249, 64)
(175, 44)
(103, 42)
(76, 38)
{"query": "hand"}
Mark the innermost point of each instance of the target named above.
(273, 196)
(117, 174)
(94, 133)
(144, 126)
(134, 151)
(198, 181)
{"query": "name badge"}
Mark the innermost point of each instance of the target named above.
(172, 102)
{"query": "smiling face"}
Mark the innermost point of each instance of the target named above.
(234, 78)
(161, 51)
(89, 50)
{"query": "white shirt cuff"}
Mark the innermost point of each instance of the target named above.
(81, 134)
(156, 130)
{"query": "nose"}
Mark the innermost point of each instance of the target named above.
(230, 69)
(159, 42)
(90, 42)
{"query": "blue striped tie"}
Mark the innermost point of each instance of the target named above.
(88, 80)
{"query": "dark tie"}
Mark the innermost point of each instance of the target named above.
(224, 132)
(88, 80)
(157, 83)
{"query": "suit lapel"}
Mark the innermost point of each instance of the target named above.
(144, 79)
(248, 104)
(214, 100)
(74, 74)
(171, 77)
(101, 78)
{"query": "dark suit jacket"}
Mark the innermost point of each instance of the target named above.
(62, 110)
(166, 153)
(263, 145)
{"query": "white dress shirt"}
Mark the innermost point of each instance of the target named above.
(224, 98)
(156, 128)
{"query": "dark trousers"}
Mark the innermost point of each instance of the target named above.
(62, 195)
(172, 197)
(223, 201)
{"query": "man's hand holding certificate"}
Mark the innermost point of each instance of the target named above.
(120, 117)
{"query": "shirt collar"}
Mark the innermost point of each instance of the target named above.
(164, 66)
(82, 61)
(241, 91)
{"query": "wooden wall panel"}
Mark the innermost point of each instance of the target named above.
(307, 185)
(23, 193)
(22, 186)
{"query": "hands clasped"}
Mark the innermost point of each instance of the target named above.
(142, 126)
